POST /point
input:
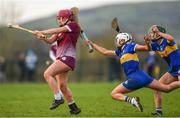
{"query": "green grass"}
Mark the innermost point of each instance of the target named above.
(93, 98)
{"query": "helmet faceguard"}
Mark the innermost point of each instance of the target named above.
(122, 39)
(64, 14)
(155, 37)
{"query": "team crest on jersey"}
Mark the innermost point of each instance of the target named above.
(161, 48)
(64, 58)
(126, 82)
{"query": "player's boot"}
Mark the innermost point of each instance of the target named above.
(157, 113)
(137, 103)
(56, 103)
(74, 109)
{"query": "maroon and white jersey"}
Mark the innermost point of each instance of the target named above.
(66, 42)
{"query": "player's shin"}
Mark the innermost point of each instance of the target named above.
(174, 85)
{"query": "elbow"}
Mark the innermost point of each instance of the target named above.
(50, 42)
(171, 38)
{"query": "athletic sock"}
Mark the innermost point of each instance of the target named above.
(129, 99)
(61, 94)
(58, 96)
(159, 110)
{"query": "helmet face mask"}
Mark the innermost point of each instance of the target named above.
(120, 42)
(63, 16)
(154, 36)
(122, 39)
(62, 20)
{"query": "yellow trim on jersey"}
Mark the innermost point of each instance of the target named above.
(167, 50)
(128, 57)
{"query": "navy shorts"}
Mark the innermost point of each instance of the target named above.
(174, 71)
(136, 80)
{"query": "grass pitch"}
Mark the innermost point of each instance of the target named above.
(33, 100)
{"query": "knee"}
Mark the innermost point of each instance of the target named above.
(46, 75)
(168, 89)
(113, 95)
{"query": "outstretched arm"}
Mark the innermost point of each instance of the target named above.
(102, 50)
(145, 47)
(52, 31)
(55, 30)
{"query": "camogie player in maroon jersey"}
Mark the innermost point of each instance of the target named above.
(66, 37)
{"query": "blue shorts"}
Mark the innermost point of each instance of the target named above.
(136, 80)
(174, 71)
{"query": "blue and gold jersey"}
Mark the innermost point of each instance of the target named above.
(168, 51)
(128, 58)
(136, 78)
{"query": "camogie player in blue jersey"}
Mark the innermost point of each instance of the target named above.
(164, 45)
(136, 78)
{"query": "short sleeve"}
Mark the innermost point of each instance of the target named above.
(118, 52)
(73, 27)
(132, 47)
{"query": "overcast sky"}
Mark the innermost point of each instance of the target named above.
(34, 9)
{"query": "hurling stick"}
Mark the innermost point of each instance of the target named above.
(115, 25)
(19, 27)
(83, 35)
(22, 28)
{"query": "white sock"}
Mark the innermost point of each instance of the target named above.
(61, 94)
(58, 96)
(71, 102)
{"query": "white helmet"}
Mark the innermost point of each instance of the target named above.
(122, 36)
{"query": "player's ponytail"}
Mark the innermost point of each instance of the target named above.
(74, 16)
